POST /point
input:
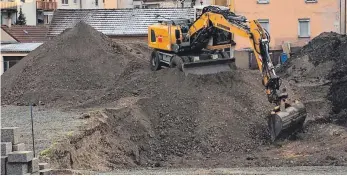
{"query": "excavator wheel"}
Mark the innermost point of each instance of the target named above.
(155, 61)
(176, 62)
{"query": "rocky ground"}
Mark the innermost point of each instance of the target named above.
(140, 119)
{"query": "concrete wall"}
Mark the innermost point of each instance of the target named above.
(283, 18)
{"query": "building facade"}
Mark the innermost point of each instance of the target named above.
(80, 4)
(295, 21)
(113, 4)
(35, 11)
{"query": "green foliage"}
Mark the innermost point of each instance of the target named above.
(21, 18)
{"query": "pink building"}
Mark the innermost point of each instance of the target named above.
(293, 21)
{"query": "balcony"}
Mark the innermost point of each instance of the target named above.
(8, 5)
(44, 5)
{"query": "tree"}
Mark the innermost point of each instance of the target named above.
(21, 18)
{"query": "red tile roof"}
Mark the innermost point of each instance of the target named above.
(27, 34)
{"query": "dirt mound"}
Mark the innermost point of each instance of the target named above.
(320, 72)
(161, 118)
(76, 66)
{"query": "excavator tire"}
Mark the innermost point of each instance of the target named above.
(176, 62)
(155, 61)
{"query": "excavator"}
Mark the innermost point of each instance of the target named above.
(200, 46)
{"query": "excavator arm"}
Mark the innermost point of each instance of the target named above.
(259, 40)
(286, 117)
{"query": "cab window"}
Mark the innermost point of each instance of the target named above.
(152, 36)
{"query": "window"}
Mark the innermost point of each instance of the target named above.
(304, 28)
(96, 2)
(136, 6)
(65, 2)
(310, 1)
(263, 1)
(152, 36)
(75, 1)
(265, 24)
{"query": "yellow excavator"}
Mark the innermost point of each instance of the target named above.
(200, 46)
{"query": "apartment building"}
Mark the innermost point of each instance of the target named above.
(295, 21)
(113, 4)
(35, 11)
(81, 4)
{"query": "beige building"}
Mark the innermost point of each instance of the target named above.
(111, 4)
(294, 21)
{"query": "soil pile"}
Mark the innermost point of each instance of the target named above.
(320, 72)
(168, 119)
(74, 67)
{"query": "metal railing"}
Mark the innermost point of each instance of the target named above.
(43, 5)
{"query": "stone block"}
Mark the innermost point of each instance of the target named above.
(17, 168)
(46, 172)
(34, 165)
(20, 156)
(6, 148)
(3, 165)
(10, 134)
(44, 166)
(18, 147)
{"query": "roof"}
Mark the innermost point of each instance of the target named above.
(20, 47)
(115, 22)
(25, 34)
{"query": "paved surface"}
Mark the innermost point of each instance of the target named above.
(304, 170)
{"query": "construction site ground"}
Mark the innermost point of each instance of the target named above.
(99, 108)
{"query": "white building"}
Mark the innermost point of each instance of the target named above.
(41, 11)
(80, 4)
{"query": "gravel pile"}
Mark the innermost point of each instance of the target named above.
(74, 67)
(161, 118)
(321, 66)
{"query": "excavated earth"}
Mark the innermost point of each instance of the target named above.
(140, 118)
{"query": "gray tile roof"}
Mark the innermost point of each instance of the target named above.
(115, 21)
(20, 47)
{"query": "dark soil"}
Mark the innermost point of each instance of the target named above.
(322, 67)
(155, 119)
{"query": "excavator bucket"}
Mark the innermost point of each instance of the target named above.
(211, 66)
(286, 121)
